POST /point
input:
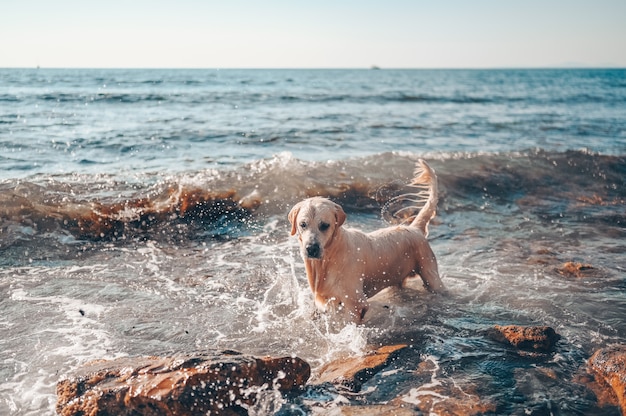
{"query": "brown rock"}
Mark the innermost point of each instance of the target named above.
(579, 270)
(609, 366)
(220, 383)
(351, 373)
(536, 338)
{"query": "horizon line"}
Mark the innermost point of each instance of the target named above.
(372, 67)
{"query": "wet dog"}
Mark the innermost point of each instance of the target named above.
(345, 266)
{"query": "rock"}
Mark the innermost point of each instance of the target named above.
(536, 338)
(350, 373)
(602, 393)
(220, 383)
(609, 365)
(579, 270)
(395, 409)
(440, 395)
(434, 394)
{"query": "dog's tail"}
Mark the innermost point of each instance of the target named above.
(426, 179)
(423, 200)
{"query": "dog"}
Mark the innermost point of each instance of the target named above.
(345, 266)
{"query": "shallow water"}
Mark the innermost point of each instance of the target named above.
(112, 245)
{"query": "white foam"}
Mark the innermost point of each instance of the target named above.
(78, 337)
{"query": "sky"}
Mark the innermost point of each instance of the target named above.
(312, 34)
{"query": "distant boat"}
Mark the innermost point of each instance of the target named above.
(375, 67)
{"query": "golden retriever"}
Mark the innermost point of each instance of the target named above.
(345, 266)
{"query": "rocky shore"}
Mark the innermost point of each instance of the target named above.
(231, 383)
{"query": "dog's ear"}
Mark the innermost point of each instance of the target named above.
(293, 214)
(340, 215)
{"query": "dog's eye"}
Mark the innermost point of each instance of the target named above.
(303, 224)
(324, 226)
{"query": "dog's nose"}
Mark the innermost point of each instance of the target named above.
(313, 250)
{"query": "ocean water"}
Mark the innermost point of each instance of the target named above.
(145, 211)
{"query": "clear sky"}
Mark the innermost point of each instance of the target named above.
(312, 33)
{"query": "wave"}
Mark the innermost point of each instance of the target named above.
(103, 97)
(222, 204)
(251, 97)
(9, 98)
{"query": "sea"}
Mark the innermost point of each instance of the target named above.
(144, 212)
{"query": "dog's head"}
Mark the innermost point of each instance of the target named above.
(316, 221)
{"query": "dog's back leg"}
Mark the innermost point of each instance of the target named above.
(427, 269)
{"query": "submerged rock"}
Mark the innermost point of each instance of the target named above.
(350, 373)
(579, 270)
(609, 366)
(220, 383)
(536, 338)
(432, 394)
(440, 395)
(395, 409)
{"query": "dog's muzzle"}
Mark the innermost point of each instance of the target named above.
(313, 250)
